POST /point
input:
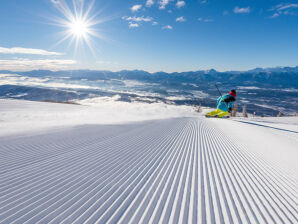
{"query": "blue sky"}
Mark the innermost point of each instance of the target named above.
(158, 35)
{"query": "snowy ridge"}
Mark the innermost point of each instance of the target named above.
(22, 116)
(180, 170)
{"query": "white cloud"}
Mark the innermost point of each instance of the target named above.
(205, 20)
(284, 9)
(107, 62)
(20, 80)
(286, 6)
(138, 19)
(180, 19)
(136, 8)
(154, 23)
(239, 10)
(55, 1)
(24, 64)
(134, 22)
(275, 15)
(163, 3)
(133, 25)
(21, 50)
(203, 2)
(180, 4)
(149, 3)
(168, 27)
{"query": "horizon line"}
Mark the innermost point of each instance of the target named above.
(203, 70)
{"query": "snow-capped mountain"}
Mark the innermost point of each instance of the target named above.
(265, 91)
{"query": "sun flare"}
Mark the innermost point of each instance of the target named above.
(78, 21)
(79, 28)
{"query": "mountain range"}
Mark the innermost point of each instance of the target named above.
(263, 90)
(286, 77)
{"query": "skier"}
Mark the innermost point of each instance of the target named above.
(224, 105)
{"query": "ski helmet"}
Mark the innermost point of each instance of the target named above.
(233, 93)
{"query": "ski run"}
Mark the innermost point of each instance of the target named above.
(177, 170)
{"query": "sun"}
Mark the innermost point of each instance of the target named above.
(78, 22)
(79, 28)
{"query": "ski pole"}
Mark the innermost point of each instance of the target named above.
(218, 90)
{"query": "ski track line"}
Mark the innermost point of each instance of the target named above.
(79, 147)
(154, 189)
(87, 206)
(125, 182)
(80, 160)
(274, 168)
(54, 144)
(153, 183)
(264, 189)
(139, 183)
(278, 179)
(180, 170)
(62, 188)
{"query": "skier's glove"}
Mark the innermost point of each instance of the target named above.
(230, 110)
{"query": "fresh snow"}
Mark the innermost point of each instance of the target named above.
(18, 116)
(135, 163)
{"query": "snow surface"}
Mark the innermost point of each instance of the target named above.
(18, 116)
(184, 169)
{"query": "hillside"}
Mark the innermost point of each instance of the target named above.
(182, 169)
(264, 91)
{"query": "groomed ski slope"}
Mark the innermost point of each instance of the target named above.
(178, 170)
